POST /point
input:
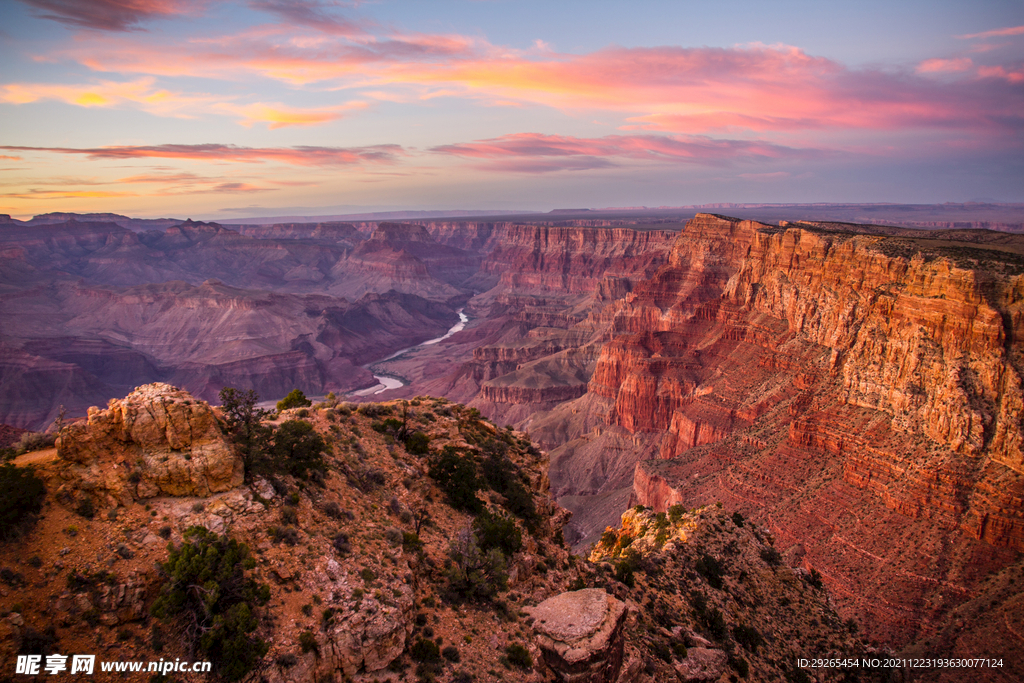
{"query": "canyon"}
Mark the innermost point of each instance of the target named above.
(854, 389)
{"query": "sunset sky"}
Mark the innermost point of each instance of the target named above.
(265, 107)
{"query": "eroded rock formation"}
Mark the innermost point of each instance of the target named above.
(158, 440)
(580, 634)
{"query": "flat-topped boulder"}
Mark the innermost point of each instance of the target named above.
(580, 635)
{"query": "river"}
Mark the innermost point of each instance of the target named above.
(388, 382)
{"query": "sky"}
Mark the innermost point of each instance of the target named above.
(205, 109)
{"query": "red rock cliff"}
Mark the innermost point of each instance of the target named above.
(848, 390)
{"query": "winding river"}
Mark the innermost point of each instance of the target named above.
(388, 382)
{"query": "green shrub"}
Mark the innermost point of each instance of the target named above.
(289, 515)
(294, 399)
(298, 449)
(626, 567)
(424, 650)
(411, 542)
(21, 498)
(714, 622)
(457, 477)
(206, 582)
(34, 441)
(341, 543)
(243, 420)
(748, 636)
(474, 574)
(503, 476)
(519, 656)
(737, 519)
(675, 513)
(451, 653)
(661, 650)
(307, 641)
(498, 531)
(418, 443)
(711, 569)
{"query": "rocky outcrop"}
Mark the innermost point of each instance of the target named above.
(158, 440)
(580, 635)
(360, 635)
(94, 601)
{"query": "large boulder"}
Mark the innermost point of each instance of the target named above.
(158, 440)
(580, 635)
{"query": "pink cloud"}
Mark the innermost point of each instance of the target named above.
(671, 89)
(958, 65)
(534, 152)
(298, 156)
(111, 15)
(995, 33)
(1001, 72)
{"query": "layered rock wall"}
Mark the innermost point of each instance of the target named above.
(846, 389)
(574, 260)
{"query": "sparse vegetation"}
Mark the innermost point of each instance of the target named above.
(21, 498)
(294, 399)
(456, 474)
(298, 450)
(474, 574)
(243, 420)
(519, 656)
(207, 588)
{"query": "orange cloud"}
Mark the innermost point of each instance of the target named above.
(298, 156)
(279, 115)
(140, 92)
